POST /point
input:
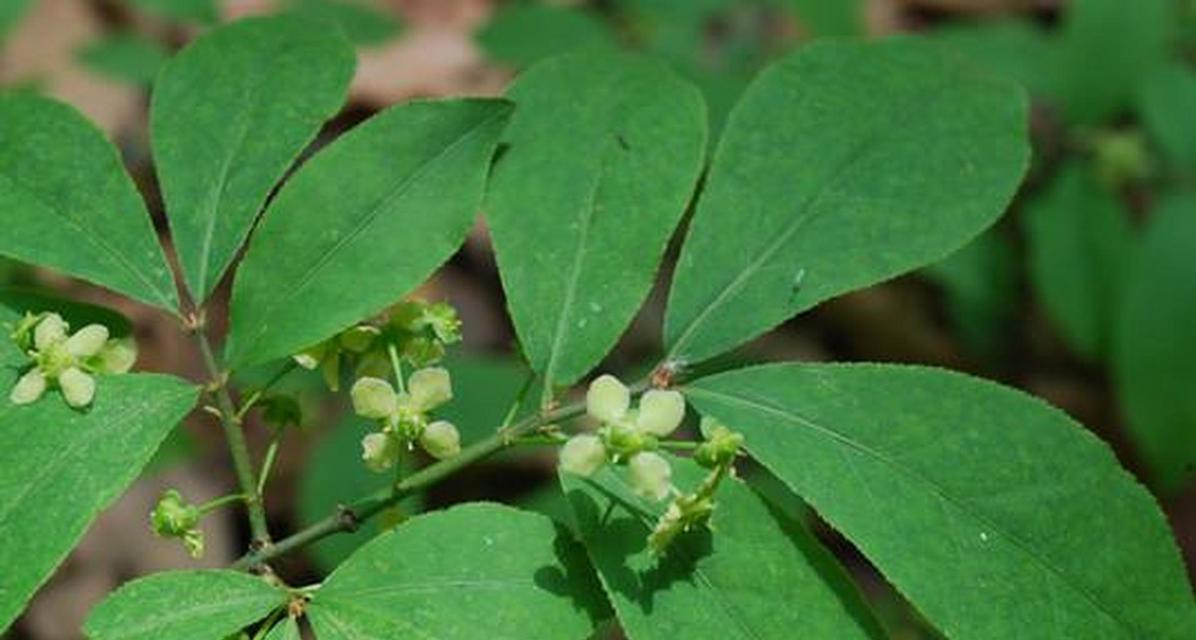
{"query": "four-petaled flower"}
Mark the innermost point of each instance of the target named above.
(404, 417)
(67, 361)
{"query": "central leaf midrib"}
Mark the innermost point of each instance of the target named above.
(935, 489)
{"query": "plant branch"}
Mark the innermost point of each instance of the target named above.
(349, 517)
(237, 447)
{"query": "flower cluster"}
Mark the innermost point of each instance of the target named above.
(627, 435)
(403, 417)
(418, 331)
(66, 361)
(175, 518)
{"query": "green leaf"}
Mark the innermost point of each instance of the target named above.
(68, 204)
(1078, 235)
(286, 630)
(878, 158)
(125, 56)
(59, 468)
(1154, 354)
(753, 574)
(523, 34)
(824, 18)
(362, 24)
(996, 515)
(1017, 50)
(603, 155)
(484, 389)
(230, 114)
(334, 475)
(362, 223)
(1167, 103)
(980, 284)
(202, 12)
(478, 571)
(183, 605)
(1107, 47)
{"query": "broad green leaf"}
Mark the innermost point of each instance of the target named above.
(334, 474)
(1167, 104)
(523, 34)
(752, 574)
(364, 24)
(288, 629)
(125, 56)
(1107, 48)
(59, 468)
(183, 605)
(474, 572)
(187, 11)
(980, 284)
(362, 223)
(68, 204)
(878, 158)
(996, 515)
(1078, 235)
(602, 156)
(823, 18)
(15, 303)
(1017, 50)
(1154, 354)
(230, 114)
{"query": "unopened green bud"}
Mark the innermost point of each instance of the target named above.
(441, 440)
(118, 356)
(359, 339)
(380, 451)
(374, 398)
(650, 475)
(51, 330)
(583, 455)
(421, 351)
(281, 411)
(172, 516)
(374, 364)
(311, 357)
(22, 332)
(720, 448)
(660, 412)
(607, 399)
(430, 388)
(78, 388)
(29, 388)
(87, 341)
(443, 320)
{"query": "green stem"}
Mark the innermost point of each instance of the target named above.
(397, 365)
(519, 397)
(236, 444)
(215, 504)
(349, 517)
(268, 463)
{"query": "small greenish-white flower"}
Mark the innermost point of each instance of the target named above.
(380, 451)
(430, 388)
(173, 517)
(359, 339)
(441, 440)
(660, 412)
(67, 361)
(607, 399)
(583, 455)
(374, 398)
(650, 475)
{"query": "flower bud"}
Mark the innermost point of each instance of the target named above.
(441, 440)
(311, 357)
(29, 388)
(650, 475)
(358, 339)
(172, 516)
(118, 356)
(22, 333)
(374, 398)
(720, 448)
(78, 388)
(443, 320)
(379, 451)
(607, 399)
(661, 412)
(583, 455)
(87, 341)
(430, 388)
(51, 330)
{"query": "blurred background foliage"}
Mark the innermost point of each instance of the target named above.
(1084, 293)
